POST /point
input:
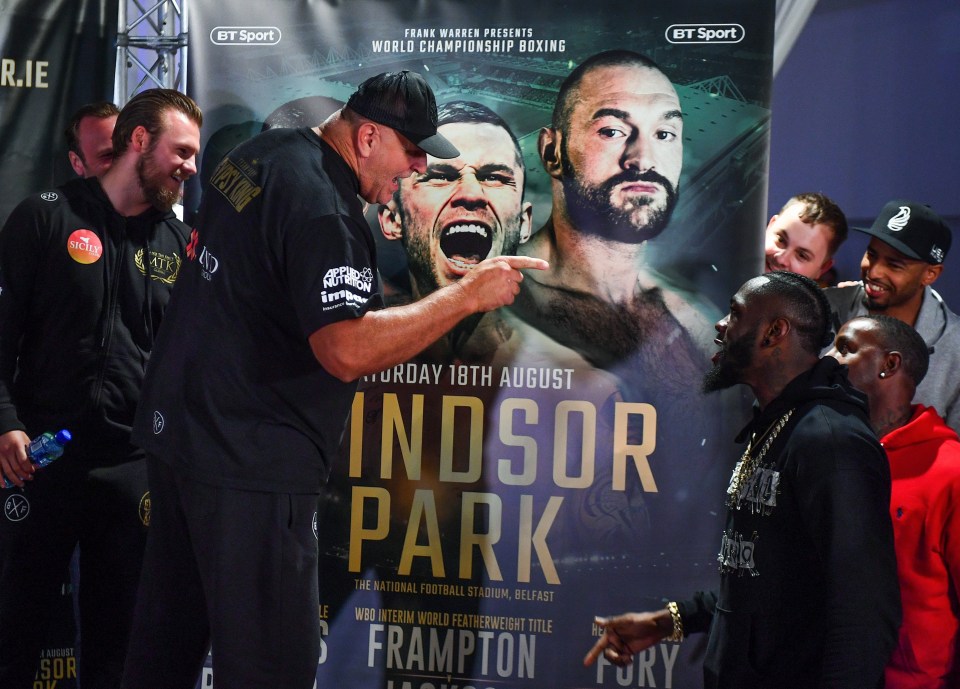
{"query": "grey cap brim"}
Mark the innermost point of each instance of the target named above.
(437, 146)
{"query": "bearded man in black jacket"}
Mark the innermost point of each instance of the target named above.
(808, 591)
(86, 271)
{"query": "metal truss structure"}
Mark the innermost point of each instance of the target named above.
(152, 44)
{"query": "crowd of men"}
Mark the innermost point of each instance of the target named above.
(191, 484)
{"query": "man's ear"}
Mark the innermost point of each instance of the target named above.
(776, 331)
(548, 145)
(892, 364)
(367, 138)
(77, 164)
(526, 221)
(140, 139)
(389, 217)
(930, 274)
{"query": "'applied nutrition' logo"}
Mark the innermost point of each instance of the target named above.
(84, 246)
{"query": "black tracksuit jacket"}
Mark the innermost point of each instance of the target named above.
(82, 294)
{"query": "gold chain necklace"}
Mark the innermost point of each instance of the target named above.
(749, 462)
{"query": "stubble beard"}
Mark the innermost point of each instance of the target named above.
(736, 358)
(420, 263)
(591, 209)
(150, 178)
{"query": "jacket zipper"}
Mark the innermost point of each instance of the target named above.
(113, 292)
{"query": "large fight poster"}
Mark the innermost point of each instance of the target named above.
(55, 55)
(552, 461)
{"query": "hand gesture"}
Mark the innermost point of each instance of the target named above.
(495, 282)
(627, 634)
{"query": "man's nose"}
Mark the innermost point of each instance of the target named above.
(638, 155)
(469, 192)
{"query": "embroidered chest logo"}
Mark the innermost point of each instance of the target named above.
(84, 246)
(736, 554)
(162, 267)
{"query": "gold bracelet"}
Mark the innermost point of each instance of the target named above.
(677, 635)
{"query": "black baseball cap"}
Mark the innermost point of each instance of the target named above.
(403, 101)
(912, 229)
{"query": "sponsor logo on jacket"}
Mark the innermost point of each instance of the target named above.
(209, 264)
(163, 267)
(346, 286)
(84, 246)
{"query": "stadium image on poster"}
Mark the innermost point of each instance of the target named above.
(556, 460)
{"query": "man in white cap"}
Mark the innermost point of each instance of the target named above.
(279, 314)
(908, 245)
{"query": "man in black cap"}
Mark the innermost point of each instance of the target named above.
(277, 314)
(908, 245)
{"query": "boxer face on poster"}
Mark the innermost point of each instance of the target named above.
(618, 152)
(463, 210)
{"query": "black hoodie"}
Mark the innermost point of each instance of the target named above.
(808, 591)
(82, 293)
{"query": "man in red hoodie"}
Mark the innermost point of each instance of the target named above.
(887, 360)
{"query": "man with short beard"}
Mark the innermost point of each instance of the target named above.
(908, 246)
(86, 272)
(808, 591)
(614, 152)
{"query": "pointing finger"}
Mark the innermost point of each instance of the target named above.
(519, 262)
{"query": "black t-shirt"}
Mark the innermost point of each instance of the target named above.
(234, 395)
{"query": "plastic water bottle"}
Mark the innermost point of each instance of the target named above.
(44, 449)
